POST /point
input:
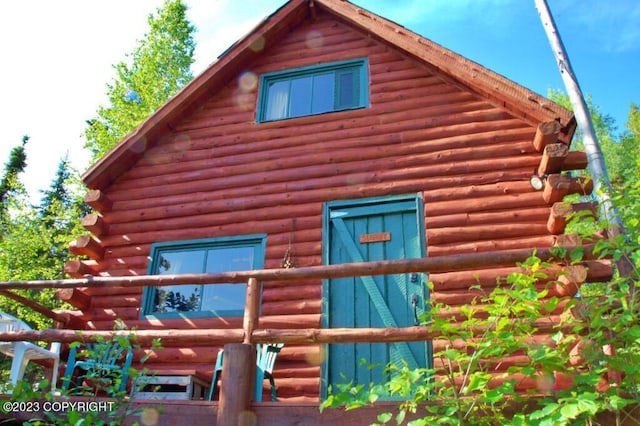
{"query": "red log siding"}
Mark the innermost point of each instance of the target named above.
(219, 173)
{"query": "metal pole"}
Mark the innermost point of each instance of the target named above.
(602, 184)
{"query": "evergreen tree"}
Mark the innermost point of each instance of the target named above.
(57, 192)
(9, 183)
(62, 203)
(61, 210)
(159, 66)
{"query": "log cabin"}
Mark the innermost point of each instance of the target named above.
(326, 135)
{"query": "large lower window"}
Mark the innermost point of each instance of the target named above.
(202, 256)
(313, 90)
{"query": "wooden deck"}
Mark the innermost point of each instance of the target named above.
(264, 414)
(201, 413)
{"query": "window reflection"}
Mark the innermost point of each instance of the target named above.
(347, 92)
(226, 296)
(323, 93)
(179, 298)
(216, 298)
(300, 97)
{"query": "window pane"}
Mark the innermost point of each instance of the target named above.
(277, 100)
(323, 89)
(182, 298)
(226, 297)
(315, 89)
(300, 97)
(346, 95)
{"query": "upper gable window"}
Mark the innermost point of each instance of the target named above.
(336, 86)
(201, 256)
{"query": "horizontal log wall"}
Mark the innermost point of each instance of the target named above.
(221, 174)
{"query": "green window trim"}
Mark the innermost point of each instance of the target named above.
(312, 90)
(210, 255)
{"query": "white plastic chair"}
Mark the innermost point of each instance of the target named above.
(23, 352)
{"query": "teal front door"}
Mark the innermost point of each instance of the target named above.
(363, 231)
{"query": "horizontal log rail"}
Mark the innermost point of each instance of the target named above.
(250, 333)
(208, 337)
(438, 264)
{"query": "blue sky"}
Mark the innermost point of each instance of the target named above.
(57, 56)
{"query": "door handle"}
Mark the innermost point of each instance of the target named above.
(414, 302)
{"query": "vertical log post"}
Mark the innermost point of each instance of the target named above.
(236, 391)
(251, 309)
(239, 366)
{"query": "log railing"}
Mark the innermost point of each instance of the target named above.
(438, 264)
(236, 392)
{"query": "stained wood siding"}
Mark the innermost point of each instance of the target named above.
(218, 173)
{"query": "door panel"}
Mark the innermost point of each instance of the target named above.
(370, 231)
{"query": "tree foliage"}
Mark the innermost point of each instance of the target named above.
(9, 183)
(620, 151)
(158, 67)
(629, 148)
(34, 244)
